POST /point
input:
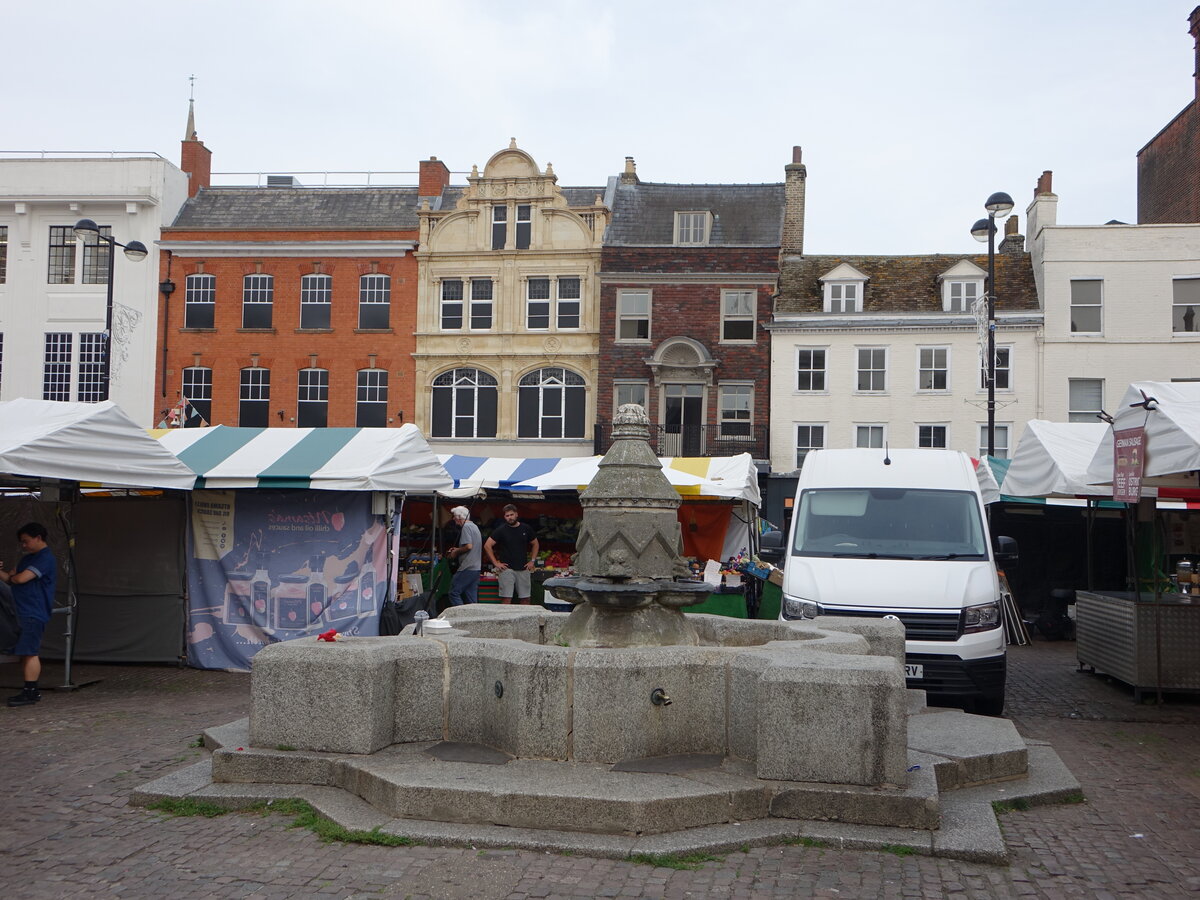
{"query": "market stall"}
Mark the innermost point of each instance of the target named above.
(1150, 636)
(122, 600)
(288, 531)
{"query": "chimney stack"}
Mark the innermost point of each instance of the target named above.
(1044, 184)
(795, 176)
(194, 158)
(1014, 242)
(1194, 28)
(629, 176)
(434, 178)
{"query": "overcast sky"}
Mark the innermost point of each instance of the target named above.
(910, 113)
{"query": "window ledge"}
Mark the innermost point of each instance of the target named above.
(186, 330)
(255, 331)
(373, 330)
(313, 331)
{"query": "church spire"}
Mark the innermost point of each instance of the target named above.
(190, 132)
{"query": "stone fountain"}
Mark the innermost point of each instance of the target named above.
(624, 726)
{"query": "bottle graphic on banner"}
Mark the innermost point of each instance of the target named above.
(344, 605)
(260, 592)
(366, 587)
(291, 608)
(317, 595)
(238, 598)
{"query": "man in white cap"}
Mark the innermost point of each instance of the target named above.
(464, 586)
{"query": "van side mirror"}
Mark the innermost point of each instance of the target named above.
(1007, 556)
(770, 547)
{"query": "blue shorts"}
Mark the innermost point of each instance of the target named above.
(30, 641)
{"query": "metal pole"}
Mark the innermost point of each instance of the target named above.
(106, 371)
(991, 350)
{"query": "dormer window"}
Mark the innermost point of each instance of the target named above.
(691, 228)
(962, 286)
(843, 288)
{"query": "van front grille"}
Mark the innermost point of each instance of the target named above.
(918, 626)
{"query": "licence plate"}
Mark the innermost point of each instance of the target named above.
(914, 671)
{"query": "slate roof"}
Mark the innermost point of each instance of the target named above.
(290, 208)
(744, 215)
(902, 284)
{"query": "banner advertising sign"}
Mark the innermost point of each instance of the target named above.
(1129, 458)
(273, 565)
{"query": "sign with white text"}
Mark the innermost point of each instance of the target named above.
(1129, 458)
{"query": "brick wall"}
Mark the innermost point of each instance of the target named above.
(342, 349)
(1168, 173)
(684, 308)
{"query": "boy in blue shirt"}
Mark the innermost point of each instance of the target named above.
(32, 585)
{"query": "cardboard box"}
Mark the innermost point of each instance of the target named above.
(776, 577)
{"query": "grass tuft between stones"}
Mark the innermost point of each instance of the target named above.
(804, 842)
(673, 860)
(1000, 807)
(898, 849)
(303, 816)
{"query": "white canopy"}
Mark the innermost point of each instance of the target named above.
(1052, 458)
(327, 459)
(88, 442)
(1172, 433)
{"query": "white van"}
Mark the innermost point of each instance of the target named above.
(903, 533)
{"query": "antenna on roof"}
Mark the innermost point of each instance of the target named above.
(887, 459)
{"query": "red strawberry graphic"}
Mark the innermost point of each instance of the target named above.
(338, 521)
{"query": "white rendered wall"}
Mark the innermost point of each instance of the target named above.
(136, 196)
(962, 408)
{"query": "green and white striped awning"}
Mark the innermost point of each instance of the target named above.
(327, 459)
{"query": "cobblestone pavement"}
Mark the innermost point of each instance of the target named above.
(69, 763)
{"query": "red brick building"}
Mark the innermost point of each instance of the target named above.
(1169, 166)
(688, 272)
(291, 305)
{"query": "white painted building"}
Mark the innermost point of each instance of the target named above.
(1122, 304)
(868, 351)
(53, 288)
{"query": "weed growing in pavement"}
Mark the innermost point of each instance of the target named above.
(898, 849)
(673, 860)
(1075, 797)
(197, 743)
(304, 816)
(187, 806)
(284, 747)
(1000, 807)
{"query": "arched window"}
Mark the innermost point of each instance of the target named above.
(551, 403)
(464, 404)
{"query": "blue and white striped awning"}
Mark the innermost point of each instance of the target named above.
(328, 459)
(729, 477)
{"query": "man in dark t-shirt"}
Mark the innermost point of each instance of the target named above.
(513, 550)
(32, 583)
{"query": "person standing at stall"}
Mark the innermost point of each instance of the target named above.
(32, 585)
(464, 586)
(513, 551)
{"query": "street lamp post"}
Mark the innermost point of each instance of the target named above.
(86, 229)
(999, 204)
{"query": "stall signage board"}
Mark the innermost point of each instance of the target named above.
(1129, 458)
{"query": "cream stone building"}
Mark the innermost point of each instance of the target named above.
(507, 340)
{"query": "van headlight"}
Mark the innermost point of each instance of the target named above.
(798, 608)
(984, 617)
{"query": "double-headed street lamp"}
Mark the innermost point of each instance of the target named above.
(999, 204)
(88, 230)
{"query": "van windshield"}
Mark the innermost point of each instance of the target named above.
(889, 523)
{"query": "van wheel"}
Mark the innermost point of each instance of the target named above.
(989, 706)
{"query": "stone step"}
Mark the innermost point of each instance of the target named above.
(970, 749)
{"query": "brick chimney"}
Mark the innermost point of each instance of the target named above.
(194, 158)
(795, 176)
(1194, 28)
(1043, 210)
(629, 176)
(434, 178)
(1014, 242)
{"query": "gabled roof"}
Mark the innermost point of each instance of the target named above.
(744, 215)
(292, 208)
(899, 284)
